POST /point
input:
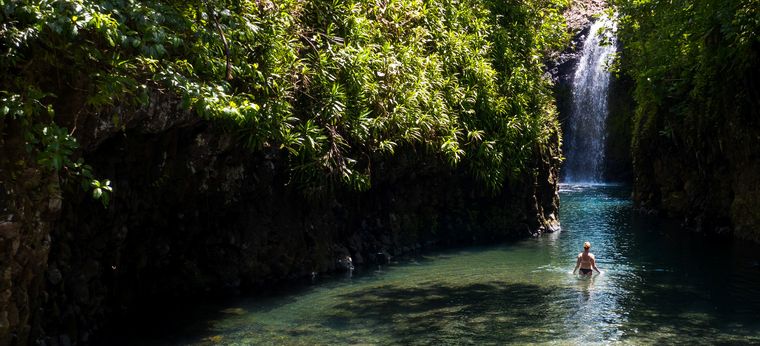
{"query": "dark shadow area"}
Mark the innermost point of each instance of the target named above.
(670, 304)
(692, 286)
(661, 285)
(493, 312)
(182, 320)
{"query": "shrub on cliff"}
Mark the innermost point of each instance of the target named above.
(334, 83)
(682, 55)
(696, 65)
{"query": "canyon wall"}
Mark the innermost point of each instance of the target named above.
(193, 213)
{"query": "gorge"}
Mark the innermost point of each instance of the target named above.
(223, 166)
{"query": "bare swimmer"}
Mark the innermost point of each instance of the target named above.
(586, 261)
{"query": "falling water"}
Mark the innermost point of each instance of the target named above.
(586, 131)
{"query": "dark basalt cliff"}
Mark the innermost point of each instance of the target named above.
(703, 172)
(695, 127)
(193, 212)
(258, 147)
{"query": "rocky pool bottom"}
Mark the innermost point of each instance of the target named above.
(660, 285)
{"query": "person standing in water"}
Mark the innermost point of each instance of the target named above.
(586, 261)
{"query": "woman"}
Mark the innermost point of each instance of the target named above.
(586, 261)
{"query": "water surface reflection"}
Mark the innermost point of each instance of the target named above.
(659, 285)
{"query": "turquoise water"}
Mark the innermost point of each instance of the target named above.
(658, 286)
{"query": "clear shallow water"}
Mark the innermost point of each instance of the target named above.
(658, 286)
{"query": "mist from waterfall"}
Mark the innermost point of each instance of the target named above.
(585, 136)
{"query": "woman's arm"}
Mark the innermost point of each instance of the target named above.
(593, 265)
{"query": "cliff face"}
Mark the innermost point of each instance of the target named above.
(707, 177)
(236, 146)
(193, 212)
(696, 127)
(30, 201)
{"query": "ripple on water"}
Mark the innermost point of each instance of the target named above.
(655, 288)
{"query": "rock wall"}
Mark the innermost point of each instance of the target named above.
(193, 213)
(30, 200)
(618, 164)
(696, 124)
(703, 169)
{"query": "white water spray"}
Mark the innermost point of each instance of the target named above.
(585, 138)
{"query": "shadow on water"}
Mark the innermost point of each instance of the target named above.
(183, 320)
(685, 286)
(668, 305)
(483, 312)
(660, 285)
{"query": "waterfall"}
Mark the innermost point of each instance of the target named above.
(585, 137)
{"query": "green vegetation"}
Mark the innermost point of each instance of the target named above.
(334, 83)
(696, 65)
(693, 64)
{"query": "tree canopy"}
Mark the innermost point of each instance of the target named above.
(690, 61)
(333, 83)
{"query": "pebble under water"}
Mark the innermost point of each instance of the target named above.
(660, 285)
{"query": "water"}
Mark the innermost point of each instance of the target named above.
(659, 285)
(585, 137)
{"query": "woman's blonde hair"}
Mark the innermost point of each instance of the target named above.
(586, 245)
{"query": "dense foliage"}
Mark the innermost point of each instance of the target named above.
(694, 64)
(696, 67)
(334, 83)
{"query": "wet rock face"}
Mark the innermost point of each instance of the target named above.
(580, 13)
(618, 162)
(193, 213)
(30, 200)
(578, 17)
(711, 189)
(703, 169)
